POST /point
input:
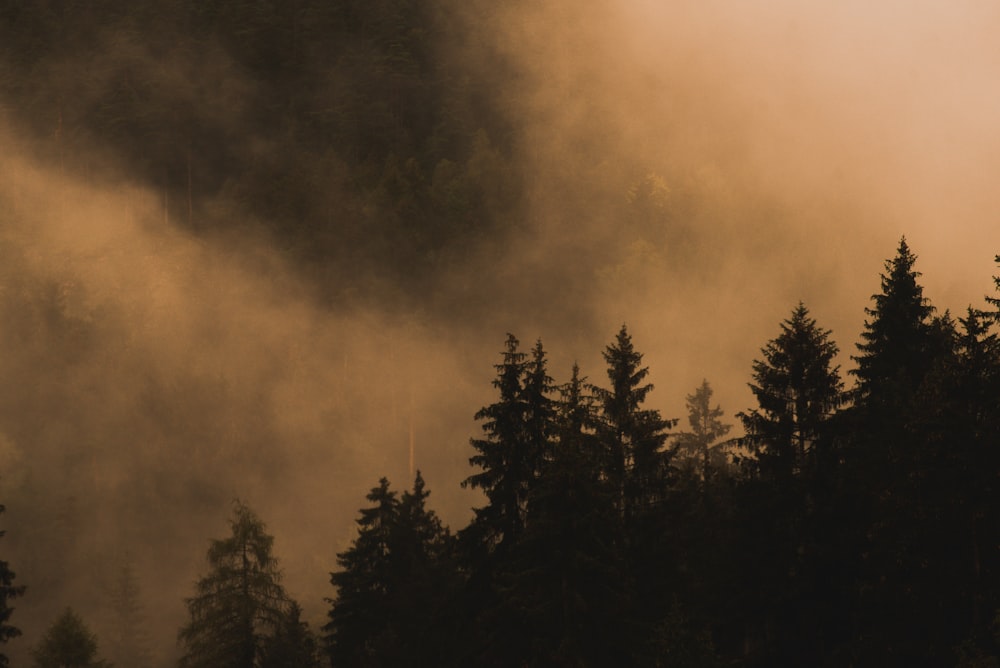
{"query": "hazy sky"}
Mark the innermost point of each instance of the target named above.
(792, 143)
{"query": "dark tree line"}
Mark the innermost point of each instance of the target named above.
(846, 527)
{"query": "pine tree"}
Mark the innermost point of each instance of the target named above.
(128, 645)
(565, 584)
(393, 580)
(994, 300)
(634, 437)
(893, 461)
(423, 577)
(508, 466)
(8, 591)
(898, 343)
(540, 411)
(240, 604)
(797, 388)
(293, 644)
(68, 643)
(359, 615)
(706, 430)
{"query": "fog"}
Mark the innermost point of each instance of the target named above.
(692, 169)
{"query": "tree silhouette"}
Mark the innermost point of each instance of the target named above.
(797, 388)
(634, 437)
(8, 591)
(706, 429)
(240, 604)
(68, 643)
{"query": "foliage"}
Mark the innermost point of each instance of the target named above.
(68, 643)
(797, 388)
(508, 466)
(240, 604)
(392, 581)
(699, 446)
(129, 643)
(8, 592)
(634, 437)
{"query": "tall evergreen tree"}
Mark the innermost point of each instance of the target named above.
(8, 591)
(508, 466)
(994, 300)
(564, 586)
(128, 643)
(898, 340)
(797, 387)
(68, 643)
(706, 429)
(293, 644)
(240, 604)
(391, 585)
(359, 614)
(892, 462)
(539, 411)
(634, 437)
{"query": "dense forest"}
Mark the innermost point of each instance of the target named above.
(217, 194)
(846, 527)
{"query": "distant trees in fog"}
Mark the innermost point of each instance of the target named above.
(846, 526)
(240, 615)
(8, 592)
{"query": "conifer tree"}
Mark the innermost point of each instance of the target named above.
(8, 591)
(240, 604)
(566, 582)
(68, 643)
(893, 462)
(898, 343)
(634, 437)
(392, 580)
(797, 387)
(508, 466)
(359, 614)
(128, 644)
(540, 411)
(706, 429)
(293, 644)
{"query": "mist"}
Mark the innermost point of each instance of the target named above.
(692, 169)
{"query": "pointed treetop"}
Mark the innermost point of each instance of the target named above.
(897, 339)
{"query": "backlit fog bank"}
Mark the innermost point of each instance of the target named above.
(692, 169)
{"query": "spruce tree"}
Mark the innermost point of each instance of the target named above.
(293, 644)
(359, 614)
(393, 580)
(798, 388)
(633, 437)
(128, 643)
(785, 499)
(68, 643)
(8, 591)
(706, 429)
(508, 465)
(898, 343)
(563, 589)
(240, 604)
(893, 461)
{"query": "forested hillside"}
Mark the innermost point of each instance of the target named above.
(346, 129)
(257, 258)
